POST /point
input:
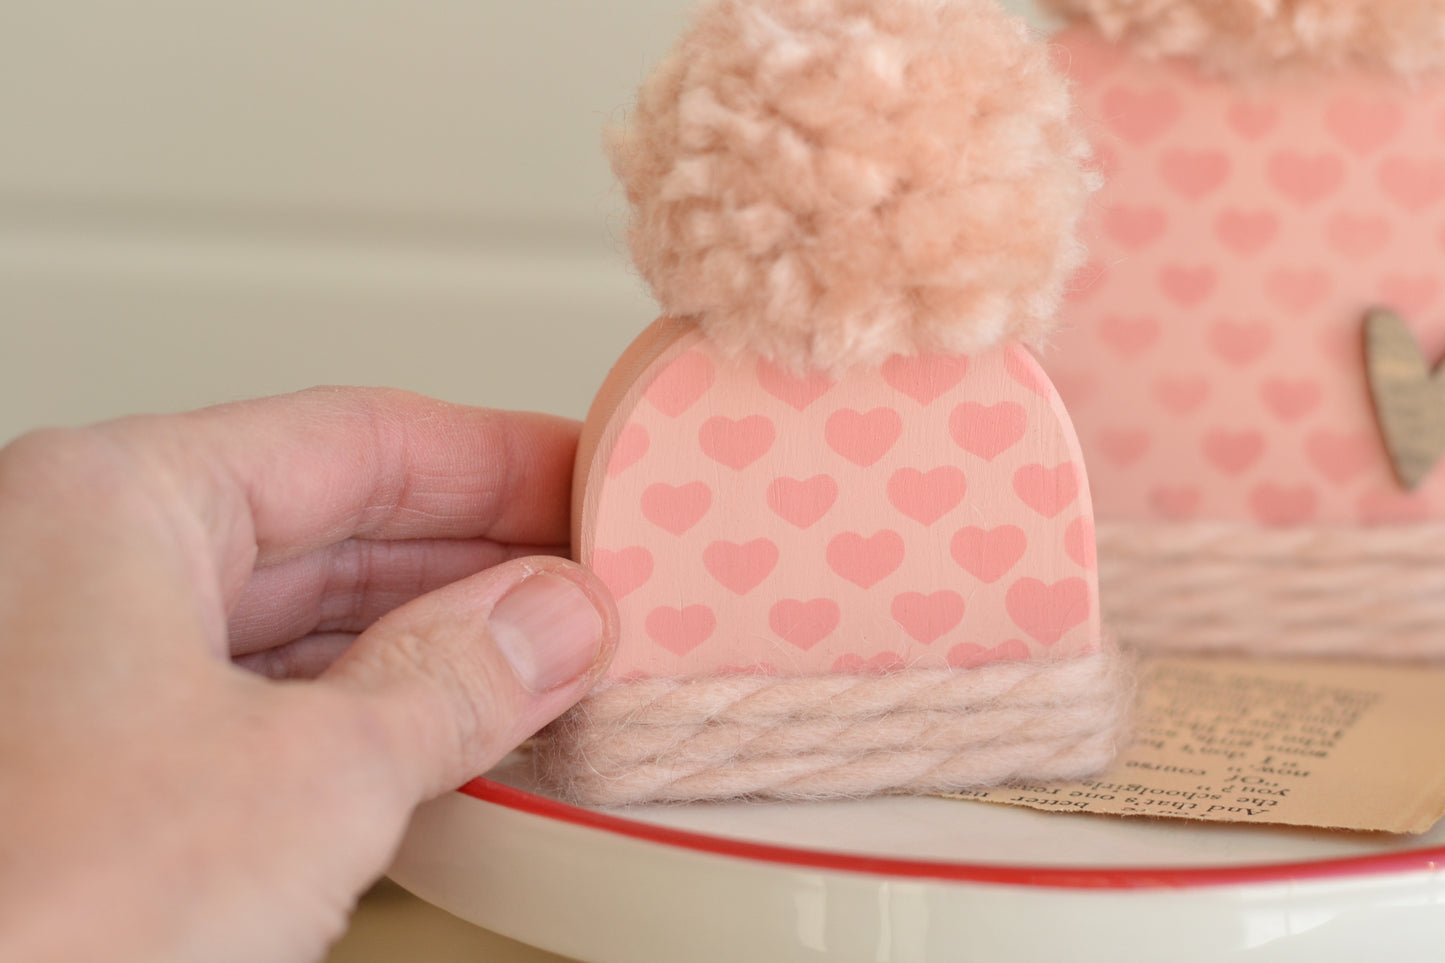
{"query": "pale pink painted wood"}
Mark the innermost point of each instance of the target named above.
(1212, 359)
(933, 512)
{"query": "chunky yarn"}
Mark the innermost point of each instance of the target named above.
(814, 737)
(833, 182)
(1352, 591)
(1404, 37)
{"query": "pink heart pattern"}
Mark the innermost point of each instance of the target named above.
(741, 568)
(927, 617)
(863, 437)
(804, 624)
(797, 391)
(926, 497)
(736, 443)
(861, 522)
(623, 571)
(988, 430)
(866, 561)
(802, 502)
(680, 630)
(1253, 225)
(989, 554)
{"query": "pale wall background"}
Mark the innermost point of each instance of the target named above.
(202, 201)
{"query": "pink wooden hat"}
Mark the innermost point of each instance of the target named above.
(1248, 355)
(841, 506)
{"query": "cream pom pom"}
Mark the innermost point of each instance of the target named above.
(1242, 36)
(832, 182)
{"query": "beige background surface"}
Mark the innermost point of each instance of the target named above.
(206, 201)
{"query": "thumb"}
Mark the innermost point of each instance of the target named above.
(458, 678)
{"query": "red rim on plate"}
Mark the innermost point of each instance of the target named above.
(1083, 877)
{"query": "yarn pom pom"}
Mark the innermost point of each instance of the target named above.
(832, 182)
(1239, 36)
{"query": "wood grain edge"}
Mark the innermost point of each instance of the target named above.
(1069, 437)
(620, 390)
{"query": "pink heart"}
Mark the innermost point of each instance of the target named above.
(1135, 227)
(989, 554)
(802, 503)
(988, 430)
(927, 617)
(631, 445)
(1129, 337)
(799, 392)
(854, 664)
(1233, 452)
(1281, 504)
(1046, 612)
(1341, 456)
(1181, 394)
(1253, 120)
(1079, 542)
(1047, 491)
(863, 437)
(677, 508)
(1123, 447)
(1194, 174)
(927, 496)
(1239, 342)
(736, 443)
(804, 624)
(1290, 399)
(679, 631)
(1298, 290)
(1139, 116)
(1364, 125)
(1024, 369)
(1186, 286)
(865, 561)
(741, 567)
(623, 571)
(970, 656)
(927, 377)
(1358, 235)
(1175, 502)
(1306, 178)
(678, 386)
(1246, 233)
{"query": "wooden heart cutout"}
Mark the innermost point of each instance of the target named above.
(1409, 397)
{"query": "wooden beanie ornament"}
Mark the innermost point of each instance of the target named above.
(1248, 359)
(841, 506)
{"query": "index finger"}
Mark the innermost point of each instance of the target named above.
(279, 477)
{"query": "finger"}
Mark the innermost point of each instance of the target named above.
(450, 683)
(305, 658)
(347, 586)
(279, 477)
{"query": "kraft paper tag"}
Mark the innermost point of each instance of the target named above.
(1335, 745)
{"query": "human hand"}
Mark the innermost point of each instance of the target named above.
(156, 801)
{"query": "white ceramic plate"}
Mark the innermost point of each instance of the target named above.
(909, 880)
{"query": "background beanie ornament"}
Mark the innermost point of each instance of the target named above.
(841, 506)
(1251, 373)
